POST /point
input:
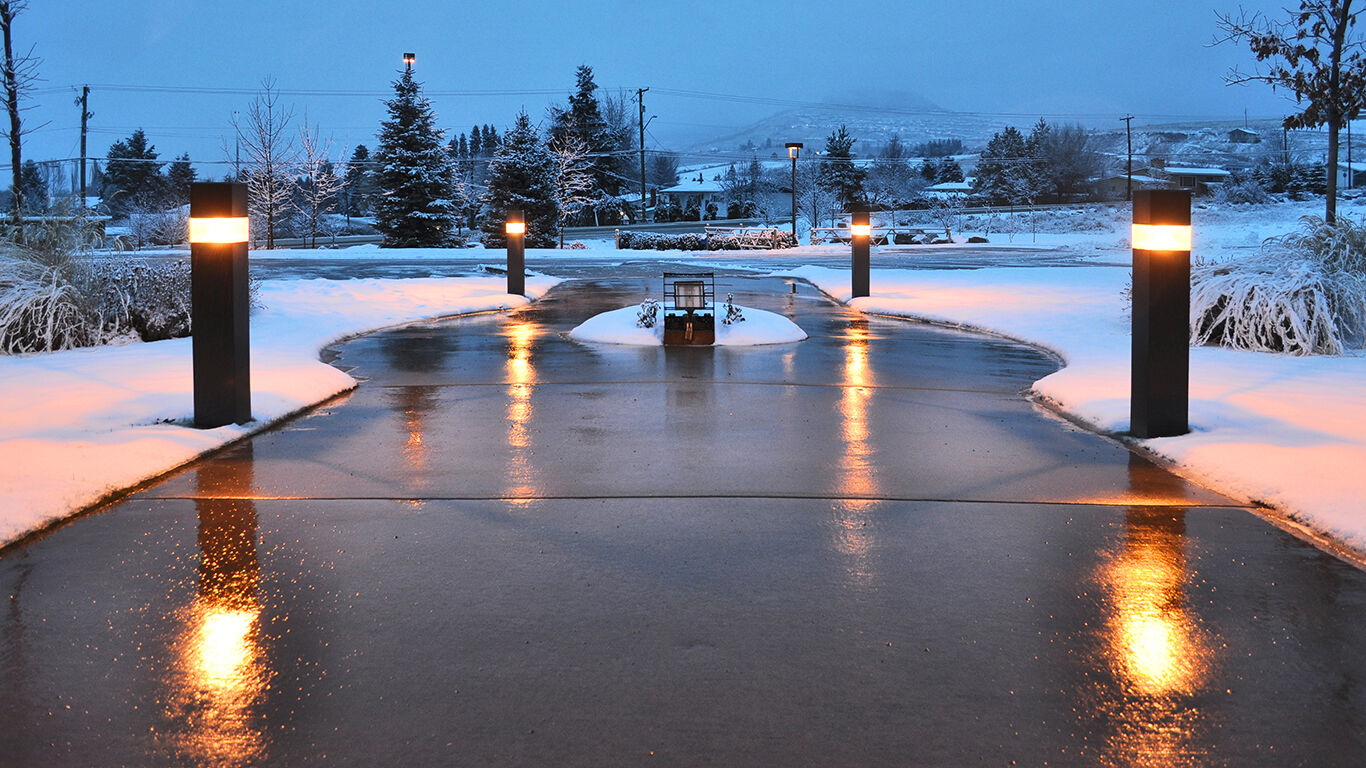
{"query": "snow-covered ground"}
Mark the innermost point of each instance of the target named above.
(78, 425)
(1286, 431)
(619, 326)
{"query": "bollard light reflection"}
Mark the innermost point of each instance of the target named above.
(521, 381)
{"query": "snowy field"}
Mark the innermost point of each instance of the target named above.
(1286, 431)
(78, 425)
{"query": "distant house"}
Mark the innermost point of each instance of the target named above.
(946, 190)
(695, 192)
(1351, 176)
(1117, 187)
(1193, 178)
(1244, 136)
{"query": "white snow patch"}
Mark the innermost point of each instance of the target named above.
(78, 425)
(618, 326)
(1288, 431)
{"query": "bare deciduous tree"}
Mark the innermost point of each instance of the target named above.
(1313, 55)
(19, 75)
(573, 178)
(269, 151)
(320, 182)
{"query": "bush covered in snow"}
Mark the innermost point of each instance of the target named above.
(56, 294)
(694, 241)
(1306, 296)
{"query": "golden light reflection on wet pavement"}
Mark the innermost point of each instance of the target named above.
(220, 673)
(521, 379)
(1153, 645)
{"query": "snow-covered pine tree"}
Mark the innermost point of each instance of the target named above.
(414, 175)
(582, 121)
(476, 142)
(838, 174)
(521, 175)
(130, 174)
(358, 185)
(179, 176)
(1003, 175)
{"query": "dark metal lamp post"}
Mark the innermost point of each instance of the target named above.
(860, 239)
(219, 303)
(794, 148)
(515, 229)
(1160, 374)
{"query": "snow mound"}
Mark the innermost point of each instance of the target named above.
(619, 327)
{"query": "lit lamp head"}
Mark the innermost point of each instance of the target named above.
(690, 295)
(794, 148)
(409, 59)
(218, 213)
(1162, 220)
(515, 226)
(859, 225)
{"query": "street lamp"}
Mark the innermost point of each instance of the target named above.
(219, 303)
(1160, 373)
(408, 60)
(794, 148)
(515, 229)
(860, 238)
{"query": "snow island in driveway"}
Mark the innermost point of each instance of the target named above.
(688, 316)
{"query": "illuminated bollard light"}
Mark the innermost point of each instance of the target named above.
(1160, 374)
(220, 303)
(860, 239)
(515, 228)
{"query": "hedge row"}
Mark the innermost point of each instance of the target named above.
(689, 241)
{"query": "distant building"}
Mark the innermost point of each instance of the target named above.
(1244, 136)
(695, 192)
(1351, 176)
(1117, 187)
(1194, 178)
(946, 190)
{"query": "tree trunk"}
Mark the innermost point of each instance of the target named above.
(15, 132)
(1331, 190)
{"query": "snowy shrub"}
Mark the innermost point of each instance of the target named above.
(577, 245)
(1241, 190)
(1307, 296)
(648, 314)
(733, 313)
(55, 293)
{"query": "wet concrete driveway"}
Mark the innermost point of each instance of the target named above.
(507, 548)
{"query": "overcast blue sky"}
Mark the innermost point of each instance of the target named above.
(1055, 58)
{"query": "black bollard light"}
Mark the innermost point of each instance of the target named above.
(515, 228)
(219, 304)
(1160, 381)
(860, 238)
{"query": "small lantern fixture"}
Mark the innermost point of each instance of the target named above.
(409, 59)
(690, 295)
(794, 148)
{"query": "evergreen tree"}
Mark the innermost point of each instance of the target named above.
(476, 142)
(463, 148)
(948, 171)
(414, 176)
(838, 174)
(521, 175)
(131, 174)
(1003, 172)
(358, 183)
(490, 141)
(179, 177)
(33, 188)
(582, 121)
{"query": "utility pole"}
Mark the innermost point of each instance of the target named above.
(640, 97)
(1129, 133)
(84, 101)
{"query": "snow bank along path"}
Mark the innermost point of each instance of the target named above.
(1281, 430)
(78, 425)
(619, 327)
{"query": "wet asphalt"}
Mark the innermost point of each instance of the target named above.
(509, 548)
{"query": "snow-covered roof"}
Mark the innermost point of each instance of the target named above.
(1189, 171)
(692, 185)
(950, 186)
